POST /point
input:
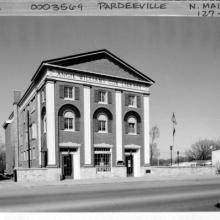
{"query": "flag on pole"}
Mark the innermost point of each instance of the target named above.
(173, 119)
(174, 130)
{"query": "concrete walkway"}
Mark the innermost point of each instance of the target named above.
(11, 184)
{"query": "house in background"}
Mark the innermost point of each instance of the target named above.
(83, 116)
(216, 157)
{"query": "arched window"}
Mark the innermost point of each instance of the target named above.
(102, 123)
(132, 125)
(102, 120)
(44, 120)
(69, 120)
(45, 124)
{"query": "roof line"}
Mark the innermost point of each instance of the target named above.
(76, 55)
(91, 53)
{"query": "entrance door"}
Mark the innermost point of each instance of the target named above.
(129, 164)
(67, 166)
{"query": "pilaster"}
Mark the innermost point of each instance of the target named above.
(118, 121)
(87, 125)
(50, 115)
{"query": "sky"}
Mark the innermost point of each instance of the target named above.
(182, 55)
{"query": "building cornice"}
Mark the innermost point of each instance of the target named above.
(86, 78)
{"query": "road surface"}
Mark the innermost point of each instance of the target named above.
(143, 196)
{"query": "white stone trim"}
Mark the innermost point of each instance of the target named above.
(146, 130)
(104, 145)
(87, 125)
(132, 146)
(50, 115)
(39, 128)
(69, 144)
(118, 120)
(76, 164)
(97, 81)
(137, 163)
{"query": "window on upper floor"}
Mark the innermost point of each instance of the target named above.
(132, 101)
(69, 121)
(103, 97)
(132, 125)
(102, 120)
(102, 123)
(69, 118)
(69, 92)
(33, 131)
(44, 124)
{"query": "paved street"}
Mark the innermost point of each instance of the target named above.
(134, 196)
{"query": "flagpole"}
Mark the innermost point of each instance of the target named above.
(173, 119)
(173, 134)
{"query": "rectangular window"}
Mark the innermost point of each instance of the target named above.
(44, 124)
(132, 101)
(33, 131)
(102, 159)
(68, 92)
(131, 128)
(68, 123)
(102, 126)
(102, 96)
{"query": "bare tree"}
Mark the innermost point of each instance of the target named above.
(202, 149)
(154, 133)
(155, 155)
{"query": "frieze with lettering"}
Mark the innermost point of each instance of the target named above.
(97, 80)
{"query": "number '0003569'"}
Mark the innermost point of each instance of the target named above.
(56, 7)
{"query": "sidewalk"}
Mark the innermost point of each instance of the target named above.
(150, 178)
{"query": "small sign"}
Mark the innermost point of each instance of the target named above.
(195, 8)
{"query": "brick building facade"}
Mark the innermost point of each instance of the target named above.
(83, 116)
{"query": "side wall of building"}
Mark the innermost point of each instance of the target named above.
(28, 126)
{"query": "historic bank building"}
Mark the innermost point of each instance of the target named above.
(83, 116)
